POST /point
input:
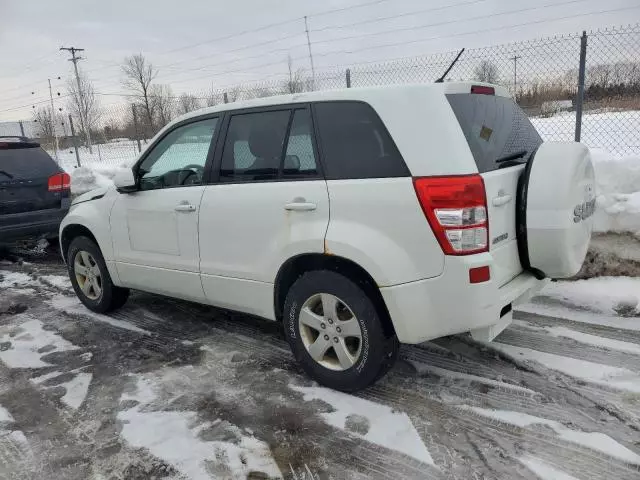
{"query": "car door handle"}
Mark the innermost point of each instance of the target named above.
(185, 207)
(300, 206)
(501, 200)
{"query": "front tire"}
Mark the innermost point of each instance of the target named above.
(336, 333)
(90, 278)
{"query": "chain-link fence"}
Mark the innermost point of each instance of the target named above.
(577, 86)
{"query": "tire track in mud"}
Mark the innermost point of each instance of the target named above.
(541, 341)
(612, 333)
(251, 338)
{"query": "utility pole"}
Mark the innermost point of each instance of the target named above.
(313, 70)
(515, 74)
(81, 99)
(53, 122)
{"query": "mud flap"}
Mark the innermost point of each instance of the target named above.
(487, 334)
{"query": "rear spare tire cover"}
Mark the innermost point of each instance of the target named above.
(558, 198)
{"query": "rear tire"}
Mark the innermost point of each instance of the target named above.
(344, 319)
(90, 277)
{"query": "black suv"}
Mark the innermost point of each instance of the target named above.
(34, 192)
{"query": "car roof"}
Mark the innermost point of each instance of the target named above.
(367, 94)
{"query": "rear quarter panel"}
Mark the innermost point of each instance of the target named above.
(379, 224)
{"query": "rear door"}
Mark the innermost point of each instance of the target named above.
(25, 170)
(268, 203)
(496, 130)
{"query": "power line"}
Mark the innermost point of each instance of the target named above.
(492, 29)
(351, 37)
(80, 96)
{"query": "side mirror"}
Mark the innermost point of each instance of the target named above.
(124, 181)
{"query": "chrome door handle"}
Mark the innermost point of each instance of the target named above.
(185, 207)
(300, 206)
(501, 200)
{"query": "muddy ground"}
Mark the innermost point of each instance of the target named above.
(167, 389)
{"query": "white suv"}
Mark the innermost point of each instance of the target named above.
(359, 218)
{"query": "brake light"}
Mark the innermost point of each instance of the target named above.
(456, 208)
(483, 90)
(59, 182)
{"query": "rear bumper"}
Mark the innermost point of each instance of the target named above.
(449, 304)
(29, 225)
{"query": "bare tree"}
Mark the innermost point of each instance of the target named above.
(486, 72)
(259, 92)
(234, 94)
(162, 104)
(212, 97)
(44, 117)
(83, 103)
(139, 74)
(188, 103)
(295, 82)
(599, 75)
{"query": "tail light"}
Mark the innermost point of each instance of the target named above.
(456, 208)
(59, 182)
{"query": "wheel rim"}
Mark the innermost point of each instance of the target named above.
(330, 332)
(88, 275)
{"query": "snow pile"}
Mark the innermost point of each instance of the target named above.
(618, 190)
(85, 179)
(608, 295)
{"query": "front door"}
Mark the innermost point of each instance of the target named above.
(270, 203)
(155, 229)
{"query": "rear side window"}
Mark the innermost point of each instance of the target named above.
(254, 145)
(355, 143)
(25, 163)
(495, 127)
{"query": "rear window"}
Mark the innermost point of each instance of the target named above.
(355, 143)
(495, 127)
(25, 163)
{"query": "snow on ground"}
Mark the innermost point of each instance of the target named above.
(543, 470)
(608, 295)
(614, 377)
(73, 305)
(382, 425)
(587, 338)
(176, 437)
(15, 279)
(77, 389)
(58, 281)
(595, 440)
(5, 416)
(618, 193)
(616, 132)
(26, 343)
(444, 373)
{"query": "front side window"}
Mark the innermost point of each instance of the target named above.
(179, 158)
(254, 146)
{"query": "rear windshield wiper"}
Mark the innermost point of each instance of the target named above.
(6, 173)
(512, 156)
